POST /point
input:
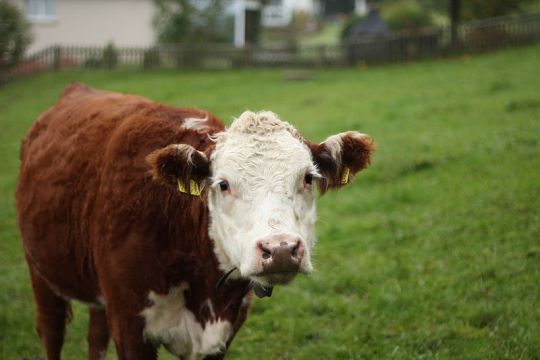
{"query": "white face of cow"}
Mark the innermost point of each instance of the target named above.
(261, 178)
(261, 196)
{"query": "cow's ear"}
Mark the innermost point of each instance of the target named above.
(179, 165)
(340, 157)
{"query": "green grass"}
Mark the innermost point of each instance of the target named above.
(434, 252)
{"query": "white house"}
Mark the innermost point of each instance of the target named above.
(278, 13)
(129, 22)
(89, 22)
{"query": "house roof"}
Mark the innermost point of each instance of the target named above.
(370, 26)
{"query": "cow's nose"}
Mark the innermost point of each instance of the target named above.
(280, 254)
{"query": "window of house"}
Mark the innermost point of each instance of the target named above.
(41, 10)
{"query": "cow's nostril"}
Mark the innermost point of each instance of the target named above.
(266, 250)
(283, 243)
(297, 251)
(294, 249)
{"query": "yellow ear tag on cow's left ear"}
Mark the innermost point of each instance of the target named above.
(194, 188)
(345, 175)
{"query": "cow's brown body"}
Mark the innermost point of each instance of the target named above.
(97, 228)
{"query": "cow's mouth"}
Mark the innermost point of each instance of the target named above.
(272, 279)
(262, 284)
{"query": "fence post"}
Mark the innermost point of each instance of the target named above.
(322, 55)
(57, 54)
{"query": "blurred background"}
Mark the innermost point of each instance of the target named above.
(431, 253)
(214, 34)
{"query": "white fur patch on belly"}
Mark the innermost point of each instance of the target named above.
(170, 323)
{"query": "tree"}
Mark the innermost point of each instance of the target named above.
(407, 15)
(455, 10)
(480, 9)
(14, 34)
(190, 21)
(437, 5)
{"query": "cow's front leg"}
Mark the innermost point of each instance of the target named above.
(98, 334)
(52, 314)
(127, 333)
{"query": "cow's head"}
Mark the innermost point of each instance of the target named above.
(259, 183)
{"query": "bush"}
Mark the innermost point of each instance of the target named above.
(14, 35)
(352, 19)
(110, 56)
(482, 9)
(408, 16)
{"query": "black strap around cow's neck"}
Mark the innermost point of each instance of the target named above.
(260, 290)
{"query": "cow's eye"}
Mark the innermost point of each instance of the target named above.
(224, 185)
(308, 179)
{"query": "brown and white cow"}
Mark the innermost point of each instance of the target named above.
(163, 221)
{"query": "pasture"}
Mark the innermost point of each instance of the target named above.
(433, 252)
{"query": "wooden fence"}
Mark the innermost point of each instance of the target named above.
(476, 36)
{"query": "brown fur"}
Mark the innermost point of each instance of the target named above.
(96, 225)
(170, 165)
(355, 154)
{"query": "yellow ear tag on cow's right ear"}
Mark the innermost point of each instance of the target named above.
(194, 188)
(345, 175)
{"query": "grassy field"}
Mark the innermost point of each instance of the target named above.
(434, 252)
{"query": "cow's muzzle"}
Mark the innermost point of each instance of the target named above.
(280, 257)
